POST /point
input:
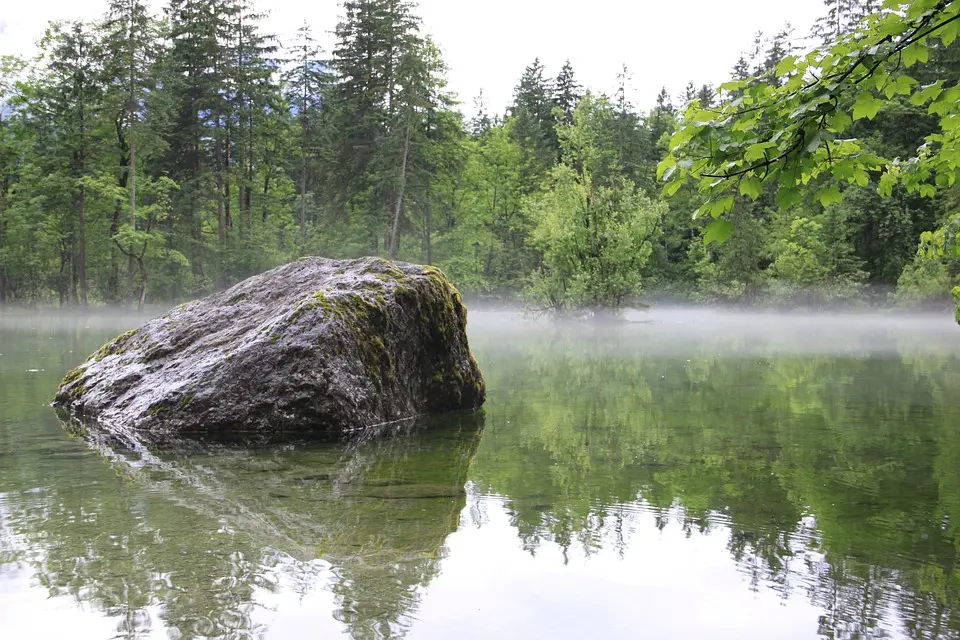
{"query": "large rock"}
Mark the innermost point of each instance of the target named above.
(314, 346)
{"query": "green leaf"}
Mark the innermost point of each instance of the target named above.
(945, 101)
(672, 187)
(665, 164)
(757, 151)
(867, 106)
(887, 182)
(788, 197)
(733, 85)
(951, 122)
(750, 186)
(668, 173)
(880, 79)
(685, 134)
(838, 121)
(916, 52)
(718, 231)
(927, 93)
(785, 66)
(905, 85)
(830, 195)
(721, 206)
(949, 33)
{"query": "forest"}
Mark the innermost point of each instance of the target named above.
(153, 158)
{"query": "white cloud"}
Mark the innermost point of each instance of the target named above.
(488, 43)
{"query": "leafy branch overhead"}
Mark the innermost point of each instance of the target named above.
(790, 128)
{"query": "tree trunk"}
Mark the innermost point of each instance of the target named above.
(113, 284)
(82, 261)
(394, 237)
(221, 210)
(248, 205)
(123, 181)
(132, 168)
(248, 182)
(428, 220)
(227, 194)
(171, 265)
(266, 192)
(4, 191)
(142, 294)
(4, 188)
(132, 178)
(221, 218)
(132, 172)
(81, 271)
(246, 150)
(303, 196)
(63, 287)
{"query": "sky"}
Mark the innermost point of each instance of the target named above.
(488, 43)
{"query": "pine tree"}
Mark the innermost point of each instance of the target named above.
(385, 78)
(660, 121)
(777, 49)
(194, 71)
(631, 137)
(706, 95)
(10, 159)
(741, 70)
(566, 92)
(841, 17)
(534, 125)
(439, 149)
(71, 102)
(131, 39)
(371, 40)
(480, 124)
(305, 82)
(253, 69)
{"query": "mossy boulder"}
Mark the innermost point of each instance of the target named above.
(318, 345)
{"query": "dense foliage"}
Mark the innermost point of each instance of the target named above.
(159, 157)
(874, 111)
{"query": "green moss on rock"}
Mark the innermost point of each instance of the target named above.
(115, 347)
(73, 375)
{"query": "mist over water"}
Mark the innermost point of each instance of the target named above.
(690, 472)
(661, 328)
(683, 330)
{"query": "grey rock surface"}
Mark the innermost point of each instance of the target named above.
(317, 345)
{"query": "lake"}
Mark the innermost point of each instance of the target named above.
(690, 474)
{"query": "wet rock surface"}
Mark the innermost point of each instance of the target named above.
(320, 346)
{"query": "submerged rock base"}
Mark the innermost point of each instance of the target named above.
(318, 345)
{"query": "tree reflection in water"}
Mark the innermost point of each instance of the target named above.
(829, 464)
(832, 465)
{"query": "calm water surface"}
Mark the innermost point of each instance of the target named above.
(693, 475)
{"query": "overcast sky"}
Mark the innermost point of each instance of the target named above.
(487, 43)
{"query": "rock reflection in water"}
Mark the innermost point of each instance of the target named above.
(213, 527)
